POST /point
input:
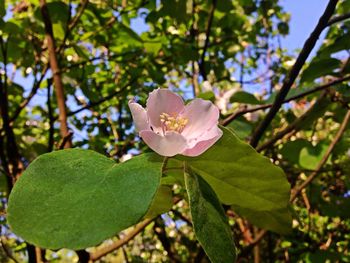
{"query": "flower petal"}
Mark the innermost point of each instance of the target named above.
(163, 101)
(139, 115)
(169, 145)
(202, 115)
(205, 142)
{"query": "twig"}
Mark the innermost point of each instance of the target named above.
(95, 103)
(11, 145)
(298, 123)
(51, 118)
(160, 232)
(7, 251)
(64, 140)
(34, 90)
(103, 56)
(206, 43)
(238, 113)
(337, 19)
(324, 159)
(73, 23)
(293, 74)
(119, 243)
(245, 231)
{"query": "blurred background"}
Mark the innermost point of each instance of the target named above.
(234, 53)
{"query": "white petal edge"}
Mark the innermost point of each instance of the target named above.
(139, 116)
(169, 145)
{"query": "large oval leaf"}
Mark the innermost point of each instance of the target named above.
(209, 220)
(77, 198)
(245, 179)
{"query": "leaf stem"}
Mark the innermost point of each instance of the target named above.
(165, 162)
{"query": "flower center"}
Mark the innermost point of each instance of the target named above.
(170, 123)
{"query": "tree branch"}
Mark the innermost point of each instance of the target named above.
(238, 113)
(324, 159)
(34, 90)
(12, 152)
(73, 23)
(130, 235)
(206, 43)
(95, 103)
(55, 71)
(298, 123)
(337, 19)
(51, 118)
(293, 74)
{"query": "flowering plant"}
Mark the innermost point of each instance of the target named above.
(170, 127)
(230, 172)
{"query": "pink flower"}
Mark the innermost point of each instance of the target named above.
(170, 127)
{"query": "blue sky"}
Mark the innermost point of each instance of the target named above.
(304, 17)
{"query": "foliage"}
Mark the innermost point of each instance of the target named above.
(226, 51)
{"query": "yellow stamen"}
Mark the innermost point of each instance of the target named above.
(173, 123)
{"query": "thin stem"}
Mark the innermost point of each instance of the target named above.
(119, 243)
(243, 111)
(337, 19)
(298, 124)
(206, 44)
(324, 159)
(165, 162)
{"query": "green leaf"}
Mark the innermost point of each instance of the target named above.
(278, 221)
(77, 198)
(245, 97)
(283, 28)
(245, 179)
(338, 44)
(319, 68)
(208, 95)
(128, 33)
(153, 47)
(209, 221)
(241, 127)
(162, 202)
(311, 155)
(291, 150)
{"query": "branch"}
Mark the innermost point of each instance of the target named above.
(95, 103)
(238, 113)
(337, 19)
(12, 152)
(55, 71)
(119, 243)
(206, 43)
(65, 140)
(135, 53)
(80, 12)
(298, 123)
(7, 250)
(73, 23)
(312, 176)
(293, 74)
(34, 90)
(51, 118)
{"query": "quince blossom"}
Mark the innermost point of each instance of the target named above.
(170, 127)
